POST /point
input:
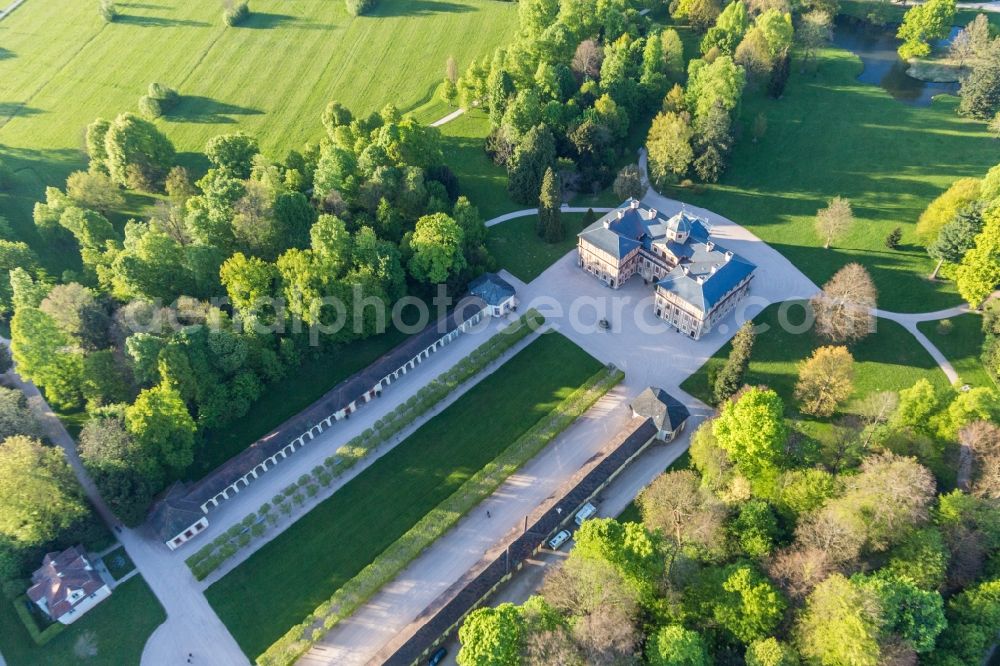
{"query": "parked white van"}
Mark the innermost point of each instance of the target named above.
(559, 539)
(587, 512)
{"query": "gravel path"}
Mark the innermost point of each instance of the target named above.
(4, 13)
(447, 119)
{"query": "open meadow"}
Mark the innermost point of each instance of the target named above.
(831, 135)
(62, 66)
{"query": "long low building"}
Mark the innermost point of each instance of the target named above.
(182, 513)
(697, 281)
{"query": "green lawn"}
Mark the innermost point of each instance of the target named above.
(516, 246)
(481, 180)
(291, 575)
(114, 633)
(831, 135)
(888, 360)
(62, 66)
(962, 345)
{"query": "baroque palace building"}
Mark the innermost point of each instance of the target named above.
(697, 281)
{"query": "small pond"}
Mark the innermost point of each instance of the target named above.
(882, 66)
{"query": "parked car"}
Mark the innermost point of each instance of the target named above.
(559, 539)
(588, 511)
(437, 657)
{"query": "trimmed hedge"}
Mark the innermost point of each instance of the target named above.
(211, 556)
(39, 636)
(355, 592)
(236, 14)
(158, 100)
(359, 7)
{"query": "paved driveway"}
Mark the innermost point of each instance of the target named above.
(650, 353)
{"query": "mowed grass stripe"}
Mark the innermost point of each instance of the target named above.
(285, 580)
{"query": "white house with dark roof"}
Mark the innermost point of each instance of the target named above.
(667, 412)
(67, 585)
(497, 293)
(697, 281)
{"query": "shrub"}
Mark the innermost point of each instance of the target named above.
(258, 529)
(312, 489)
(158, 100)
(945, 327)
(236, 13)
(359, 7)
(894, 237)
(108, 10)
(244, 539)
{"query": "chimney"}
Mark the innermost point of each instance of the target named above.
(686, 270)
(715, 267)
(621, 214)
(709, 246)
(700, 279)
(607, 224)
(729, 255)
(634, 204)
(652, 213)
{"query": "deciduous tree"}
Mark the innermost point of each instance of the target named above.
(137, 154)
(437, 249)
(751, 428)
(669, 148)
(93, 189)
(628, 183)
(923, 24)
(38, 493)
(844, 310)
(673, 645)
(491, 637)
(826, 380)
(979, 273)
(834, 221)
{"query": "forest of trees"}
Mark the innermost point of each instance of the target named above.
(775, 549)
(174, 326)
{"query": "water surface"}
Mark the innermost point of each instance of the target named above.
(882, 65)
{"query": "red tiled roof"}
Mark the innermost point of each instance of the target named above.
(60, 574)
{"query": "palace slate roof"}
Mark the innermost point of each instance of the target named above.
(60, 574)
(632, 225)
(705, 271)
(491, 288)
(704, 278)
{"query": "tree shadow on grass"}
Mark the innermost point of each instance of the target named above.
(267, 21)
(198, 109)
(5, 53)
(159, 22)
(10, 109)
(419, 8)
